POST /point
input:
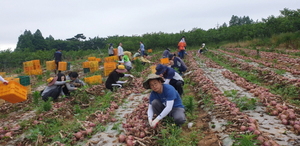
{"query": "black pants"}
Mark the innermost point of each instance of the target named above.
(54, 93)
(177, 84)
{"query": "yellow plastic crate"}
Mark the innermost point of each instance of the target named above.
(36, 72)
(164, 61)
(36, 64)
(50, 65)
(3, 74)
(91, 58)
(13, 92)
(149, 50)
(98, 59)
(93, 69)
(94, 64)
(115, 51)
(109, 59)
(27, 70)
(97, 79)
(28, 89)
(62, 66)
(152, 67)
(107, 72)
(86, 64)
(28, 64)
(110, 65)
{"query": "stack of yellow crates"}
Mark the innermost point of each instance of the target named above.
(164, 61)
(94, 66)
(111, 59)
(28, 67)
(50, 65)
(149, 50)
(36, 68)
(91, 58)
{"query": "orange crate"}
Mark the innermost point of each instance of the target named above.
(27, 70)
(115, 51)
(149, 50)
(28, 64)
(98, 59)
(109, 59)
(13, 92)
(36, 72)
(164, 61)
(88, 80)
(3, 74)
(50, 65)
(91, 58)
(36, 64)
(9, 79)
(28, 89)
(153, 70)
(93, 69)
(107, 72)
(86, 64)
(62, 66)
(110, 65)
(98, 79)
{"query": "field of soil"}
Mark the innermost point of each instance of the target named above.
(232, 97)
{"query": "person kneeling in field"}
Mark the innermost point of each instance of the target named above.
(113, 77)
(164, 101)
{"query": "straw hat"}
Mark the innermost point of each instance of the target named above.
(150, 77)
(51, 80)
(121, 69)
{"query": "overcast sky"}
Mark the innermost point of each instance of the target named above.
(65, 18)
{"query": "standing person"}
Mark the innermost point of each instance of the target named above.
(120, 51)
(181, 47)
(142, 48)
(57, 58)
(126, 62)
(74, 83)
(3, 80)
(171, 77)
(163, 101)
(166, 53)
(178, 63)
(110, 50)
(114, 76)
(53, 89)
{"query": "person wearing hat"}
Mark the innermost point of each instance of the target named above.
(171, 77)
(163, 101)
(114, 76)
(3, 80)
(53, 89)
(166, 53)
(126, 61)
(178, 63)
(74, 83)
(110, 50)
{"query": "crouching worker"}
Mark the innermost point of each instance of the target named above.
(163, 101)
(178, 63)
(53, 89)
(113, 77)
(74, 83)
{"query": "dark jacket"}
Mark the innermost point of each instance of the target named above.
(57, 56)
(113, 77)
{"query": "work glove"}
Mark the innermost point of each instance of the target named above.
(150, 122)
(131, 75)
(5, 83)
(154, 122)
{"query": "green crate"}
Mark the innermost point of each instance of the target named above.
(86, 70)
(68, 66)
(24, 80)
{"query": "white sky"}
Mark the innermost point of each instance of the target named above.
(65, 18)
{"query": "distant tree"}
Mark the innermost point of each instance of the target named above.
(25, 41)
(39, 41)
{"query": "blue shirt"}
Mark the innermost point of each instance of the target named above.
(142, 47)
(169, 93)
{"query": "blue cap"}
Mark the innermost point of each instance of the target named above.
(160, 69)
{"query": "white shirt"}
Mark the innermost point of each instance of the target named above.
(120, 51)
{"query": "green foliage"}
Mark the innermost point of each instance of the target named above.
(189, 103)
(170, 136)
(245, 140)
(47, 105)
(36, 96)
(244, 103)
